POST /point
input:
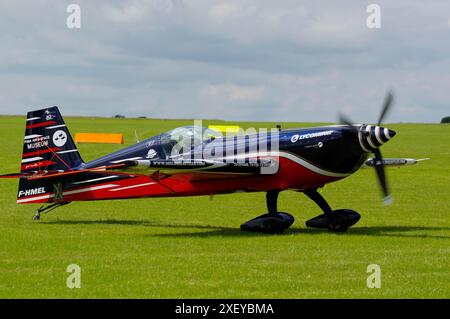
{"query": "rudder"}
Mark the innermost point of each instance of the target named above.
(48, 144)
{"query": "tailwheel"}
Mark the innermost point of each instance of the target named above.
(273, 221)
(334, 220)
(46, 209)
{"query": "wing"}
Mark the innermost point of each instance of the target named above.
(134, 179)
(200, 167)
(30, 175)
(395, 161)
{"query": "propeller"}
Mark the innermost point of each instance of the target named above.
(386, 106)
(378, 158)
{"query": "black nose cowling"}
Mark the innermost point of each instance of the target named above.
(391, 133)
(373, 136)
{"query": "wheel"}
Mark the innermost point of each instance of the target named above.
(344, 217)
(347, 217)
(36, 217)
(339, 228)
(269, 223)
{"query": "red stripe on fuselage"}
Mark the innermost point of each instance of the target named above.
(48, 150)
(48, 197)
(36, 165)
(40, 124)
(291, 175)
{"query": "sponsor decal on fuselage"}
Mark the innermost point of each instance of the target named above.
(298, 137)
(151, 153)
(59, 138)
(49, 115)
(150, 143)
(177, 163)
(37, 142)
(31, 192)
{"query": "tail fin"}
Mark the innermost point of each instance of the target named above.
(48, 144)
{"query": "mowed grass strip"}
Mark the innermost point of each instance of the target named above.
(192, 247)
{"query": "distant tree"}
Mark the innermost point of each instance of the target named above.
(445, 119)
(118, 116)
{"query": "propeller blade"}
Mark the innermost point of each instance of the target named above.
(378, 158)
(386, 106)
(379, 168)
(346, 121)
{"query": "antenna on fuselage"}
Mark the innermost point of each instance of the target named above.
(136, 136)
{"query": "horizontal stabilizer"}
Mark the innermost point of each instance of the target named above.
(16, 175)
(54, 174)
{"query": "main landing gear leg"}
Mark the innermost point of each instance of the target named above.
(273, 221)
(335, 220)
(46, 209)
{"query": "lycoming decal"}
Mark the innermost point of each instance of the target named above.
(297, 137)
(31, 192)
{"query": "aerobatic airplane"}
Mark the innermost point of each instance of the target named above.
(193, 160)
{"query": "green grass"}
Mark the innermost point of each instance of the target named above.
(192, 247)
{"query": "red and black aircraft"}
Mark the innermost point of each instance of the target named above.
(193, 160)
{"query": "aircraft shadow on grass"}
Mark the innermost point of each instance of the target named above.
(220, 231)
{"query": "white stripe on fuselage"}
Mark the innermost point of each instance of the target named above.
(126, 159)
(31, 159)
(96, 179)
(77, 191)
(55, 126)
(293, 158)
(31, 136)
(26, 200)
(88, 189)
(132, 186)
(68, 151)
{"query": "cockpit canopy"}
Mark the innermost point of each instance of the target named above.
(186, 138)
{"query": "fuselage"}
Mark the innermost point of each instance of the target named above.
(179, 163)
(304, 158)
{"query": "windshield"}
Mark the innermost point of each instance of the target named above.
(184, 139)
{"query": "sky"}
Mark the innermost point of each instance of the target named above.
(238, 60)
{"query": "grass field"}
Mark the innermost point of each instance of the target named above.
(193, 248)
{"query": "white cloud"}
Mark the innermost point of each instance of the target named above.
(223, 11)
(126, 13)
(237, 59)
(232, 92)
